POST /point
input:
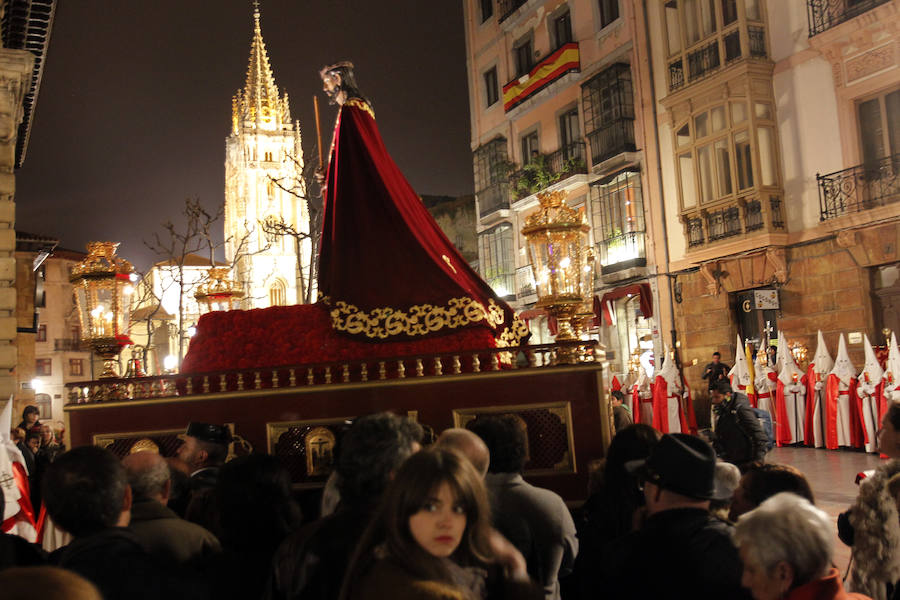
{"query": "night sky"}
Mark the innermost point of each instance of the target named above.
(135, 103)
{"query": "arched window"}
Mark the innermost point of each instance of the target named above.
(277, 293)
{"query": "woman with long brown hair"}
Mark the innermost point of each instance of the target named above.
(431, 538)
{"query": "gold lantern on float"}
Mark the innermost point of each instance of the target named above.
(218, 292)
(561, 260)
(799, 352)
(103, 287)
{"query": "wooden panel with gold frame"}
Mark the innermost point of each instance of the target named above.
(318, 447)
(559, 410)
(144, 439)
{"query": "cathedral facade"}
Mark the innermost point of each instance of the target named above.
(266, 218)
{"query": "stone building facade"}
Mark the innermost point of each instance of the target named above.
(779, 128)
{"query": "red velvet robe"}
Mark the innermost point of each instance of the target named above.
(386, 270)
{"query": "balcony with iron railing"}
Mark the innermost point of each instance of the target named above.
(493, 198)
(710, 56)
(506, 8)
(526, 292)
(747, 215)
(544, 170)
(622, 251)
(553, 67)
(611, 139)
(825, 14)
(66, 345)
(859, 188)
(503, 284)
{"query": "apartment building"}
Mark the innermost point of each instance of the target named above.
(561, 98)
(779, 125)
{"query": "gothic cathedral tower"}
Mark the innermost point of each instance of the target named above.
(263, 151)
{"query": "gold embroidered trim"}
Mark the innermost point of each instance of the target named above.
(361, 105)
(422, 319)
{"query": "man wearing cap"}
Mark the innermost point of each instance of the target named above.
(204, 449)
(682, 551)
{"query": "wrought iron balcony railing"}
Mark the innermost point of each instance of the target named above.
(525, 288)
(709, 58)
(859, 188)
(507, 7)
(546, 169)
(825, 14)
(66, 344)
(493, 198)
(622, 251)
(613, 138)
(762, 213)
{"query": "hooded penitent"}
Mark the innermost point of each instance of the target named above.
(739, 375)
(870, 395)
(668, 417)
(892, 373)
(18, 514)
(642, 398)
(789, 398)
(815, 374)
(842, 419)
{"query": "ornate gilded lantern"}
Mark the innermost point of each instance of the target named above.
(800, 353)
(103, 285)
(561, 259)
(218, 292)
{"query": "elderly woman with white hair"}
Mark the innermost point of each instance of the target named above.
(786, 545)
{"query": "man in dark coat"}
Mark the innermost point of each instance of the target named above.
(535, 520)
(310, 564)
(204, 449)
(738, 438)
(86, 493)
(681, 551)
(159, 530)
(716, 371)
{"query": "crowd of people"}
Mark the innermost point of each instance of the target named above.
(408, 516)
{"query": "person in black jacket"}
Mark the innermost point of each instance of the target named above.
(716, 371)
(738, 437)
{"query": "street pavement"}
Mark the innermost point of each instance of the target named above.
(832, 475)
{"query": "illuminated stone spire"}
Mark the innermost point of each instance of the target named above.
(258, 103)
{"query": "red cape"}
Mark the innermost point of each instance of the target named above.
(810, 380)
(386, 270)
(783, 433)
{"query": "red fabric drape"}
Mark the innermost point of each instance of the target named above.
(639, 289)
(636, 404)
(858, 435)
(832, 386)
(810, 380)
(783, 427)
(661, 405)
(384, 264)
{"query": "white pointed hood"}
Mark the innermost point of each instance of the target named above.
(669, 371)
(893, 362)
(642, 381)
(822, 359)
(740, 372)
(843, 368)
(872, 368)
(789, 366)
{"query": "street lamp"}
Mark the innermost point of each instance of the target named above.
(562, 261)
(218, 292)
(103, 286)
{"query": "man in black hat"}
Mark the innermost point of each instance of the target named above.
(204, 449)
(681, 551)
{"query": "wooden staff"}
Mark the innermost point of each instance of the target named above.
(318, 130)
